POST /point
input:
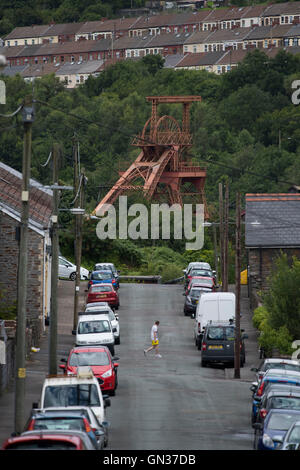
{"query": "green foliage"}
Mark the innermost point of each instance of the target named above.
(283, 298)
(8, 311)
(271, 339)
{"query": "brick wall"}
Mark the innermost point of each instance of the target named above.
(9, 254)
(261, 263)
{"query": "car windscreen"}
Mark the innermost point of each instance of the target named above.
(282, 421)
(291, 403)
(89, 358)
(101, 276)
(200, 272)
(99, 288)
(71, 395)
(197, 292)
(280, 365)
(295, 435)
(205, 282)
(59, 424)
(220, 333)
(94, 326)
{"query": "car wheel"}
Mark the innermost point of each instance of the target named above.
(255, 441)
(72, 276)
(117, 340)
(203, 363)
(112, 392)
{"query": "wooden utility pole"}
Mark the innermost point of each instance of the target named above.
(54, 266)
(237, 287)
(225, 255)
(79, 191)
(221, 216)
(20, 376)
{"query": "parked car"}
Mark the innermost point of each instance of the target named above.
(275, 363)
(272, 376)
(113, 317)
(82, 389)
(110, 266)
(199, 272)
(96, 304)
(96, 426)
(105, 293)
(102, 277)
(196, 264)
(218, 345)
(67, 270)
(49, 440)
(215, 307)
(207, 283)
(279, 399)
(99, 358)
(93, 330)
(291, 439)
(192, 298)
(65, 419)
(270, 434)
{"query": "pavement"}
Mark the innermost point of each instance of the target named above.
(37, 366)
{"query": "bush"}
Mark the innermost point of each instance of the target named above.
(271, 339)
(7, 312)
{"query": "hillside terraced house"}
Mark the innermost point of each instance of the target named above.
(281, 13)
(271, 227)
(39, 247)
(26, 35)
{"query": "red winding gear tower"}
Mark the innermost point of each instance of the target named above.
(160, 164)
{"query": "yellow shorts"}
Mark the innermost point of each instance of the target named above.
(155, 343)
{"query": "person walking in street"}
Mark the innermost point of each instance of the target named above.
(154, 339)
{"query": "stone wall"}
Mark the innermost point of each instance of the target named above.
(9, 256)
(261, 262)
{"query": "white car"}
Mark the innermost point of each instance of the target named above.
(106, 310)
(67, 270)
(95, 330)
(75, 390)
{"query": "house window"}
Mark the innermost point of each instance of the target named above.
(128, 54)
(36, 60)
(25, 42)
(185, 48)
(32, 41)
(205, 48)
(16, 43)
(72, 58)
(243, 23)
(194, 49)
(8, 43)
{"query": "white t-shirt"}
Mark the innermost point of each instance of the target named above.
(153, 332)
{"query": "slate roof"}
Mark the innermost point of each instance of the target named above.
(272, 220)
(288, 8)
(40, 198)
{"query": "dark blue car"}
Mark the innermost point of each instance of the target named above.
(269, 435)
(102, 277)
(275, 376)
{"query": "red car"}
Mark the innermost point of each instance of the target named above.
(99, 359)
(103, 293)
(49, 440)
(205, 282)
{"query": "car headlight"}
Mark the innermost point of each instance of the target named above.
(267, 441)
(106, 374)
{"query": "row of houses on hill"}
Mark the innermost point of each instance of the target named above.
(263, 37)
(72, 74)
(186, 22)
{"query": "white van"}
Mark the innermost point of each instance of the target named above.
(113, 317)
(213, 306)
(82, 389)
(95, 330)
